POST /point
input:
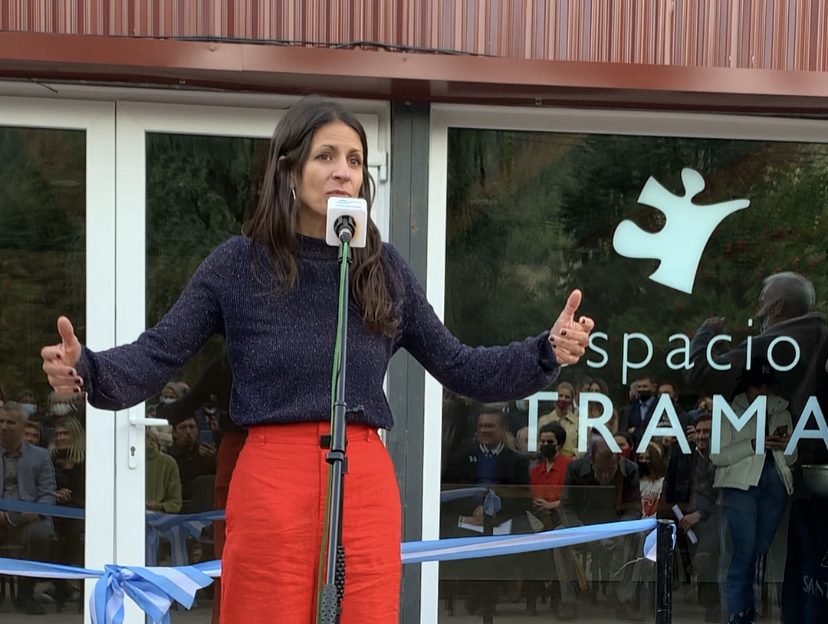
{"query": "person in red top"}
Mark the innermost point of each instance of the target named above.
(546, 480)
(547, 477)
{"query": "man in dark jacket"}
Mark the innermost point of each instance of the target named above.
(500, 507)
(488, 462)
(635, 417)
(689, 486)
(603, 487)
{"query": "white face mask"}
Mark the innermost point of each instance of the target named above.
(29, 408)
(167, 400)
(61, 409)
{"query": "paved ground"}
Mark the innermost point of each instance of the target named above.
(686, 611)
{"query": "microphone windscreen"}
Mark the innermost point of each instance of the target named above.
(354, 207)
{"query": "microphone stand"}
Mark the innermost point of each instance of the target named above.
(329, 605)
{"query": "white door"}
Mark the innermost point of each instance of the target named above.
(57, 256)
(186, 174)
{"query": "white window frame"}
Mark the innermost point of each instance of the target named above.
(135, 120)
(97, 120)
(445, 116)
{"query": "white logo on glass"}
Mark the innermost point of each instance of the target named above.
(680, 243)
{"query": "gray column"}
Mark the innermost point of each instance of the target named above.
(406, 380)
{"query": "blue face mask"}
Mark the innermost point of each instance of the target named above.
(29, 408)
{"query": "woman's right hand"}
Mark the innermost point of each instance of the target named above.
(59, 361)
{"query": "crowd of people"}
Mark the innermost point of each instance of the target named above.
(42, 460)
(728, 503)
(557, 486)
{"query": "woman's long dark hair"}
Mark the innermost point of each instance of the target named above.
(274, 220)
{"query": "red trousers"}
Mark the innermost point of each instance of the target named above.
(275, 513)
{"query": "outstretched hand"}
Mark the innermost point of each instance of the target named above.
(59, 360)
(569, 337)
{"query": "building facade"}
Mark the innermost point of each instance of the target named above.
(509, 142)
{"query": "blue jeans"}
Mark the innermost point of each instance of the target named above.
(752, 517)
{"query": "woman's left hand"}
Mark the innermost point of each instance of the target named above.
(568, 337)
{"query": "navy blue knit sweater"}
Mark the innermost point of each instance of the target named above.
(280, 343)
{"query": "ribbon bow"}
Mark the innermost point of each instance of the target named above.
(152, 589)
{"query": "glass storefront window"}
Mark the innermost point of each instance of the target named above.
(199, 189)
(662, 234)
(42, 437)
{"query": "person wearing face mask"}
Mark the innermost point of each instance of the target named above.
(27, 402)
(625, 443)
(547, 477)
(635, 417)
(546, 481)
(651, 471)
(170, 394)
(565, 415)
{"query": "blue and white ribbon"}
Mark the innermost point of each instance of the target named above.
(42, 509)
(175, 528)
(492, 546)
(154, 589)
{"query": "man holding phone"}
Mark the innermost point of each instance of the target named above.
(754, 485)
(195, 453)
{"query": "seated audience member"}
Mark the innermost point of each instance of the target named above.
(489, 462)
(669, 388)
(599, 386)
(625, 443)
(27, 403)
(689, 485)
(163, 483)
(170, 393)
(603, 487)
(684, 420)
(547, 480)
(194, 458)
(565, 415)
(27, 475)
(68, 452)
(547, 477)
(651, 471)
(522, 440)
(212, 391)
(33, 433)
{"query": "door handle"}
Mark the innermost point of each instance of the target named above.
(136, 433)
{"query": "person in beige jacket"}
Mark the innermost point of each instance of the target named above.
(754, 487)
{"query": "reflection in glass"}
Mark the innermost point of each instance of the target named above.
(199, 189)
(42, 437)
(533, 215)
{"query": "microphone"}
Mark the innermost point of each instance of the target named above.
(347, 221)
